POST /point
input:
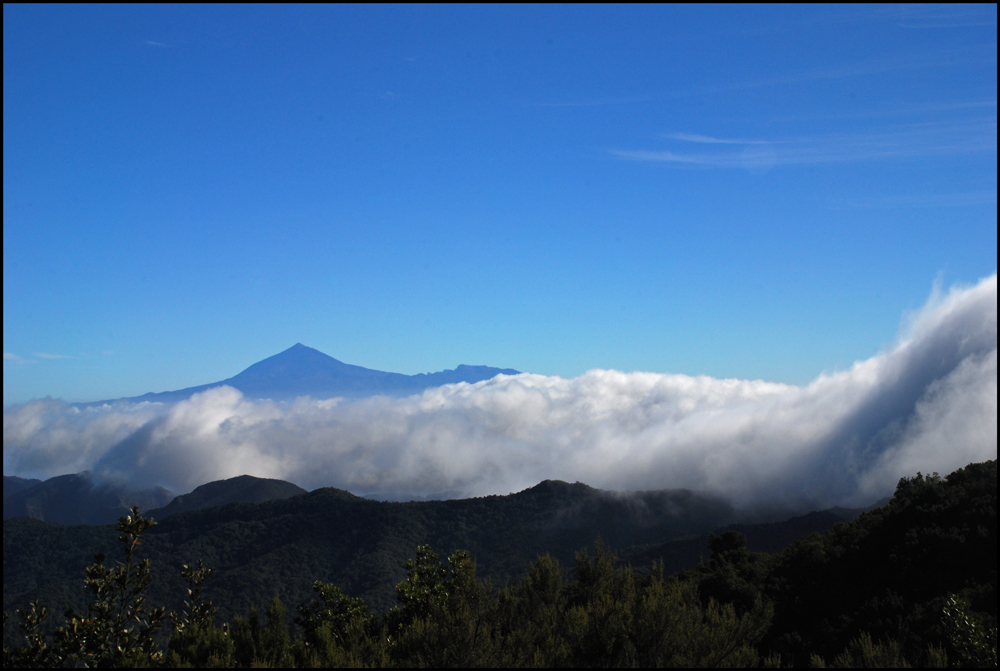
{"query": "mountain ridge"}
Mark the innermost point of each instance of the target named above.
(241, 489)
(304, 371)
(13, 484)
(360, 544)
(79, 498)
(884, 573)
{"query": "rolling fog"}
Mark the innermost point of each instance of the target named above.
(927, 403)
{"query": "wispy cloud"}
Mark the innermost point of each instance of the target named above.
(970, 55)
(961, 199)
(909, 109)
(927, 403)
(911, 141)
(15, 359)
(49, 355)
(598, 102)
(901, 15)
(947, 16)
(151, 43)
(705, 139)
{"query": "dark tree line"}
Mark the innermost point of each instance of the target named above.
(910, 584)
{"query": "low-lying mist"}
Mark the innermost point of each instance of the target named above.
(929, 403)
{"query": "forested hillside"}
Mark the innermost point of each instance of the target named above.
(910, 583)
(279, 548)
(13, 484)
(241, 489)
(890, 573)
(76, 498)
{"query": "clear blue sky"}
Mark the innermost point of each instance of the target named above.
(754, 192)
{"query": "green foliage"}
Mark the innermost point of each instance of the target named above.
(972, 643)
(37, 652)
(342, 616)
(196, 641)
(889, 572)
(446, 617)
(262, 645)
(424, 590)
(610, 616)
(918, 576)
(863, 653)
(535, 613)
(617, 618)
(733, 574)
(338, 630)
(118, 629)
(275, 547)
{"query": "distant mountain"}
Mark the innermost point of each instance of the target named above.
(13, 484)
(242, 489)
(304, 371)
(78, 499)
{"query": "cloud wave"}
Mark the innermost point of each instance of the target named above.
(928, 403)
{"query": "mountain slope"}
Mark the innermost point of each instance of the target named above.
(889, 571)
(282, 547)
(681, 554)
(77, 499)
(13, 484)
(241, 489)
(304, 371)
(886, 575)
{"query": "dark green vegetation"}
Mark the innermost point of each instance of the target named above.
(913, 582)
(279, 548)
(241, 489)
(76, 499)
(889, 574)
(682, 554)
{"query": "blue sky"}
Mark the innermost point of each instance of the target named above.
(753, 192)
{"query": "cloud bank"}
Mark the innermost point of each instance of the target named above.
(928, 403)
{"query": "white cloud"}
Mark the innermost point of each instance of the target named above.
(705, 139)
(907, 141)
(47, 355)
(928, 403)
